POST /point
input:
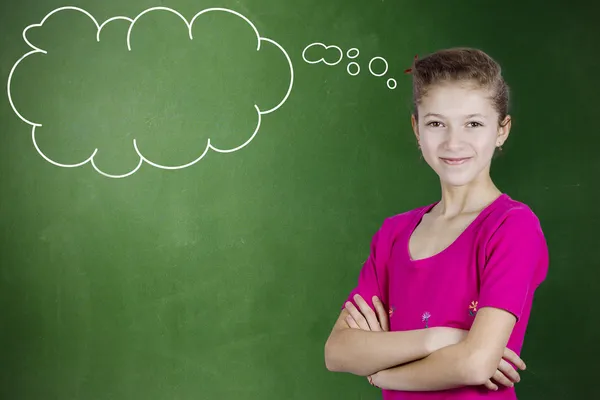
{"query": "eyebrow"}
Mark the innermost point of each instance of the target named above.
(441, 116)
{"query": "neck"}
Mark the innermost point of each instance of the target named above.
(466, 199)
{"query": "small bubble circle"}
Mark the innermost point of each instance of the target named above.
(391, 83)
(355, 50)
(353, 64)
(371, 68)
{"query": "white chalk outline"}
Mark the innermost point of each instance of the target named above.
(352, 49)
(143, 159)
(322, 59)
(357, 66)
(378, 58)
(391, 80)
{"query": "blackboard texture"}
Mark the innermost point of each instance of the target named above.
(187, 194)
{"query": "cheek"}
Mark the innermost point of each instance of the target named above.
(485, 144)
(430, 151)
(430, 144)
(482, 141)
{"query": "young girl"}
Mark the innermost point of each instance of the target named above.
(442, 302)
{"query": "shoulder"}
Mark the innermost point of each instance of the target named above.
(398, 222)
(393, 225)
(514, 235)
(512, 218)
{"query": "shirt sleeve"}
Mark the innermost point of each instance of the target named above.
(517, 262)
(372, 279)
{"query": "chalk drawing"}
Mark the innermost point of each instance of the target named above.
(371, 66)
(353, 64)
(354, 49)
(322, 59)
(391, 83)
(353, 54)
(136, 146)
(353, 68)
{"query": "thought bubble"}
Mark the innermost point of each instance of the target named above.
(128, 95)
(331, 49)
(353, 68)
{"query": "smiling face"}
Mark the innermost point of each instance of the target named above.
(458, 131)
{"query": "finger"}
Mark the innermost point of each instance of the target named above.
(351, 322)
(501, 379)
(511, 356)
(368, 312)
(371, 381)
(357, 316)
(509, 371)
(491, 385)
(382, 314)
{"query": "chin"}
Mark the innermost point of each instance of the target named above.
(457, 179)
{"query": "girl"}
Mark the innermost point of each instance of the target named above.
(442, 302)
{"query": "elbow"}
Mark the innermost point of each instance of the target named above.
(338, 359)
(331, 359)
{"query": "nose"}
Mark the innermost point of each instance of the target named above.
(453, 138)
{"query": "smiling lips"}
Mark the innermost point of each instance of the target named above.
(455, 160)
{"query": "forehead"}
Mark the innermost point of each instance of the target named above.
(454, 99)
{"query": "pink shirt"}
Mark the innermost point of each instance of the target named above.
(498, 261)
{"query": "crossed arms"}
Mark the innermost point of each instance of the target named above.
(423, 359)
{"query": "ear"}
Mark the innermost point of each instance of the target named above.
(415, 126)
(504, 130)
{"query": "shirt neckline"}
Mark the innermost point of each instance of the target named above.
(419, 217)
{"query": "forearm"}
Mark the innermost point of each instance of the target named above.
(450, 367)
(364, 352)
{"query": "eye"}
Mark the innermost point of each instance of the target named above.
(433, 124)
(476, 124)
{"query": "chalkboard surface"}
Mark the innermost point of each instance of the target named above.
(189, 188)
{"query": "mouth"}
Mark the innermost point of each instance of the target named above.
(455, 160)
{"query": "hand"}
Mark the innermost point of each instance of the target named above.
(506, 374)
(365, 318)
(373, 379)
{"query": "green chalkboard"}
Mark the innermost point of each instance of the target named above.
(189, 188)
